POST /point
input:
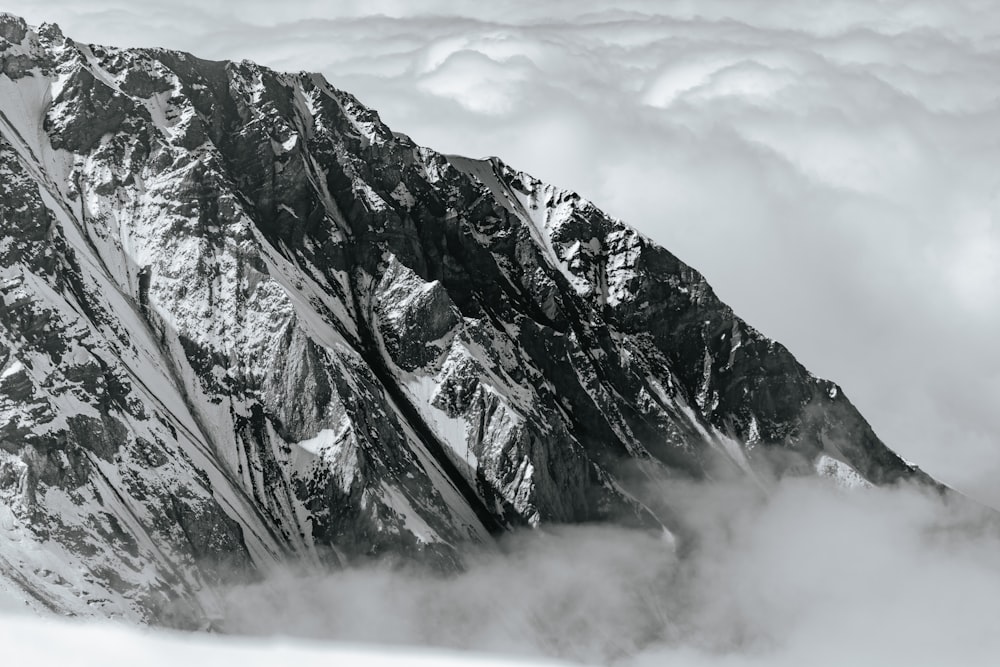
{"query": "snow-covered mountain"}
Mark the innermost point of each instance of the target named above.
(243, 323)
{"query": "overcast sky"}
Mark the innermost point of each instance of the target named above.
(830, 166)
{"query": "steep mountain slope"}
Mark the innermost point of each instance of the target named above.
(243, 323)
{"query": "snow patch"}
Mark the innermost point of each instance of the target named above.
(323, 440)
(412, 521)
(13, 369)
(449, 430)
(842, 474)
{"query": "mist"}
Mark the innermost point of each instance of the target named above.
(802, 573)
(806, 573)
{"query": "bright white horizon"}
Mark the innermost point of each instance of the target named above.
(830, 167)
(43, 642)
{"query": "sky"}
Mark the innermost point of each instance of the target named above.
(829, 166)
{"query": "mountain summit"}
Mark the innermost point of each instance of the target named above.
(243, 323)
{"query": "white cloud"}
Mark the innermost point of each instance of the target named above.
(809, 575)
(37, 641)
(829, 166)
(477, 82)
(812, 577)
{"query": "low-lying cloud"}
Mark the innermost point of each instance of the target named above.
(805, 574)
(802, 573)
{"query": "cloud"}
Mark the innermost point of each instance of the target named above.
(806, 574)
(573, 593)
(39, 641)
(812, 577)
(829, 166)
(477, 82)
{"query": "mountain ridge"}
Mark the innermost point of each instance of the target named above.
(244, 323)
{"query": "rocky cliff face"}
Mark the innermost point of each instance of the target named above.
(244, 323)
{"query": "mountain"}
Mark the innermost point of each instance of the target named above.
(245, 324)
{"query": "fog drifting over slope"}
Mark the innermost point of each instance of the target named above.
(808, 574)
(829, 166)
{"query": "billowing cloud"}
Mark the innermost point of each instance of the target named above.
(829, 166)
(806, 575)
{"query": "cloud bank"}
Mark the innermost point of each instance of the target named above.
(805, 575)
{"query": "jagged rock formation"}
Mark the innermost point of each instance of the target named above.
(242, 323)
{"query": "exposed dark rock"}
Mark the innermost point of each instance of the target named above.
(13, 28)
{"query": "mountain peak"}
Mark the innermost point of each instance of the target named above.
(242, 323)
